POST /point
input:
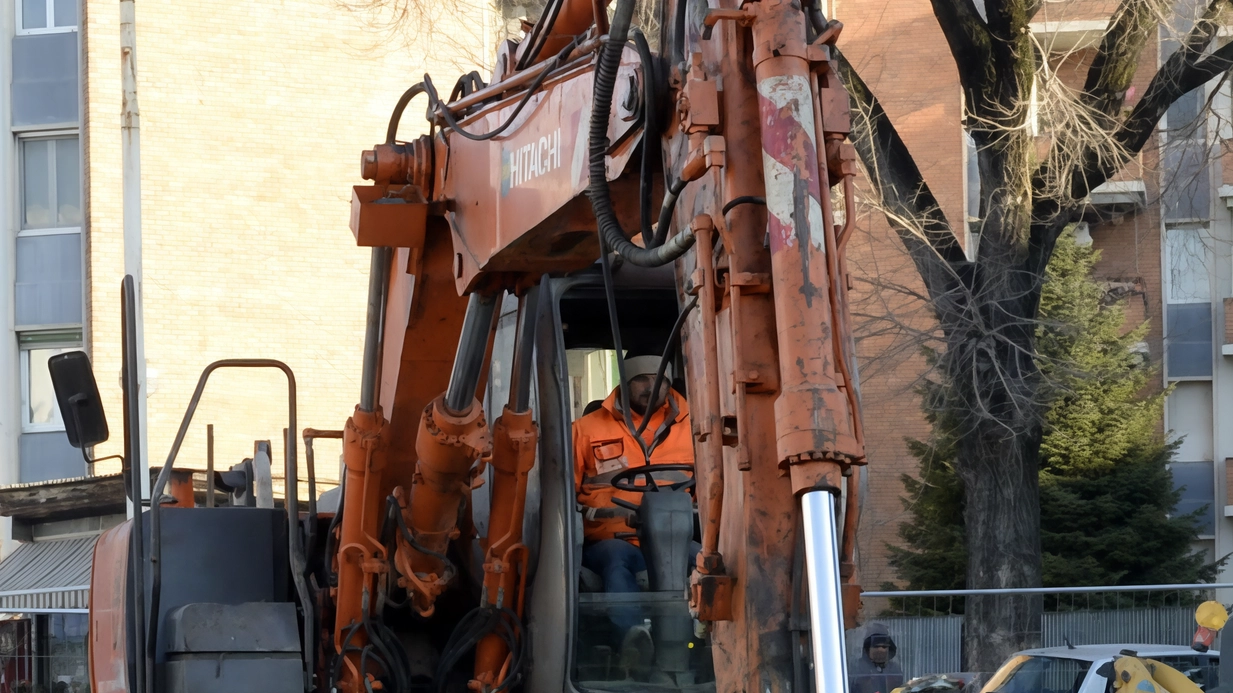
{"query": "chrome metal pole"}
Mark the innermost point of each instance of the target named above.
(472, 343)
(830, 665)
(374, 330)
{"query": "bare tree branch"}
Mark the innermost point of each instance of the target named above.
(907, 201)
(1008, 19)
(1118, 58)
(1187, 69)
(970, 43)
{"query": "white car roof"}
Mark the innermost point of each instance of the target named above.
(1092, 653)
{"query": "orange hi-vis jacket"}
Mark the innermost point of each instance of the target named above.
(604, 447)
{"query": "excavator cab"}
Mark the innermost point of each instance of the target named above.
(575, 363)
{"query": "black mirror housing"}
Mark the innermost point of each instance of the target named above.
(81, 408)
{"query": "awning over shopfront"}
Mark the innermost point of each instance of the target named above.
(47, 576)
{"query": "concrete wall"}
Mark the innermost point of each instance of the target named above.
(253, 117)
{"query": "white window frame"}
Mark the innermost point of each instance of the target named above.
(51, 18)
(22, 139)
(70, 341)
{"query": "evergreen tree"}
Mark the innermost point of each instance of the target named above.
(1105, 492)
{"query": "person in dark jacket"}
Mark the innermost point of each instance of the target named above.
(874, 672)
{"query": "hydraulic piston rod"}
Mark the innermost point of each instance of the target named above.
(469, 363)
(830, 668)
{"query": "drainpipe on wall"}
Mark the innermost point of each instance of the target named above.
(130, 128)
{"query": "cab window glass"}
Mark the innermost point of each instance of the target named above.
(592, 376)
(1045, 675)
(1200, 670)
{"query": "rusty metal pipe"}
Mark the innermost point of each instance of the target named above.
(521, 79)
(849, 213)
(813, 431)
(360, 553)
(515, 437)
(851, 512)
(709, 424)
(310, 467)
(447, 445)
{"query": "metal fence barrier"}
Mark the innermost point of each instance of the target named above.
(927, 625)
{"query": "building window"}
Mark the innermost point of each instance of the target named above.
(1188, 313)
(40, 413)
(46, 16)
(971, 185)
(50, 183)
(63, 663)
(1189, 412)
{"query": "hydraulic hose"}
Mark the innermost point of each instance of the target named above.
(601, 197)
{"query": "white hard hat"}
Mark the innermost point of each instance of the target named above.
(645, 365)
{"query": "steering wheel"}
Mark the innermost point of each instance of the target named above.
(624, 481)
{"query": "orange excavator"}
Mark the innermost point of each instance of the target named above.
(607, 190)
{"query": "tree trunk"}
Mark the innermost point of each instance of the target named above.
(1002, 527)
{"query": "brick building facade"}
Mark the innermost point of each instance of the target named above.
(1162, 226)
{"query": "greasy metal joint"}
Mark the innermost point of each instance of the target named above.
(447, 446)
(710, 597)
(815, 474)
(778, 30)
(515, 440)
(515, 437)
(698, 103)
(743, 17)
(840, 157)
(706, 153)
(400, 163)
(710, 564)
(362, 436)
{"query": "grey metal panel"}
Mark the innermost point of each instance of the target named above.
(1165, 625)
(247, 627)
(270, 674)
(45, 79)
(47, 575)
(47, 456)
(49, 279)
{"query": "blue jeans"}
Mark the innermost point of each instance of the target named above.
(617, 561)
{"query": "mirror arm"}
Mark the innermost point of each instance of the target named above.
(75, 400)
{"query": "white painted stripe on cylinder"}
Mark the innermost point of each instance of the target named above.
(791, 91)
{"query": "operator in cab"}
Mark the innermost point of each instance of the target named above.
(603, 447)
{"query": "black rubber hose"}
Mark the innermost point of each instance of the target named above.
(663, 360)
(743, 200)
(601, 197)
(678, 32)
(665, 211)
(443, 110)
(331, 577)
(391, 131)
(614, 323)
(650, 134)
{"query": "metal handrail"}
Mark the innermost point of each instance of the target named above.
(1051, 590)
(298, 560)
